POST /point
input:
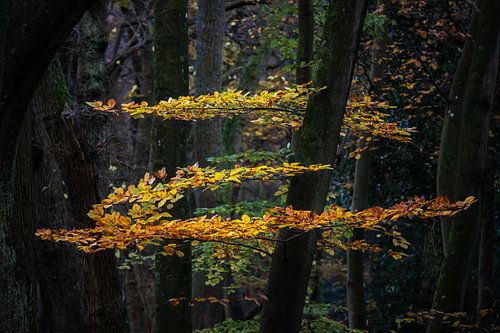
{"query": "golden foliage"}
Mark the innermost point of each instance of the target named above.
(148, 221)
(279, 108)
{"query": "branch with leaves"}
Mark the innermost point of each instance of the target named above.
(148, 221)
(279, 108)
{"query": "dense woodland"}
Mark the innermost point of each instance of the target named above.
(249, 166)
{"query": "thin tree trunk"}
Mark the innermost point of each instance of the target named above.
(315, 142)
(305, 42)
(208, 134)
(476, 115)
(361, 192)
(168, 148)
(355, 285)
(303, 75)
(249, 80)
(231, 142)
(487, 246)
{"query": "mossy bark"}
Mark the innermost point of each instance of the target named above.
(450, 136)
(60, 308)
(99, 291)
(26, 52)
(472, 152)
(168, 149)
(315, 142)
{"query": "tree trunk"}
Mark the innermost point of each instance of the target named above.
(27, 49)
(361, 192)
(208, 134)
(315, 142)
(477, 108)
(249, 81)
(487, 247)
(355, 285)
(168, 148)
(306, 42)
(60, 308)
(77, 160)
(450, 136)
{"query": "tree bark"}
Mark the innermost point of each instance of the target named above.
(69, 136)
(210, 19)
(450, 136)
(361, 192)
(60, 308)
(27, 50)
(486, 280)
(168, 148)
(249, 81)
(315, 142)
(303, 73)
(472, 151)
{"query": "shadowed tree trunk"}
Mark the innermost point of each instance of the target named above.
(477, 108)
(361, 193)
(315, 142)
(306, 42)
(450, 135)
(27, 49)
(168, 148)
(208, 134)
(249, 81)
(303, 75)
(78, 162)
(486, 281)
(58, 272)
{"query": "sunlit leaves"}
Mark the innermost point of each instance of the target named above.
(115, 231)
(279, 108)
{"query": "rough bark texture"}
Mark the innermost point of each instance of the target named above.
(208, 134)
(58, 272)
(315, 142)
(477, 107)
(78, 160)
(27, 49)
(168, 148)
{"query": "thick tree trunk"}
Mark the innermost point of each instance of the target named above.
(450, 136)
(477, 108)
(77, 161)
(168, 148)
(208, 134)
(315, 142)
(17, 287)
(58, 272)
(27, 49)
